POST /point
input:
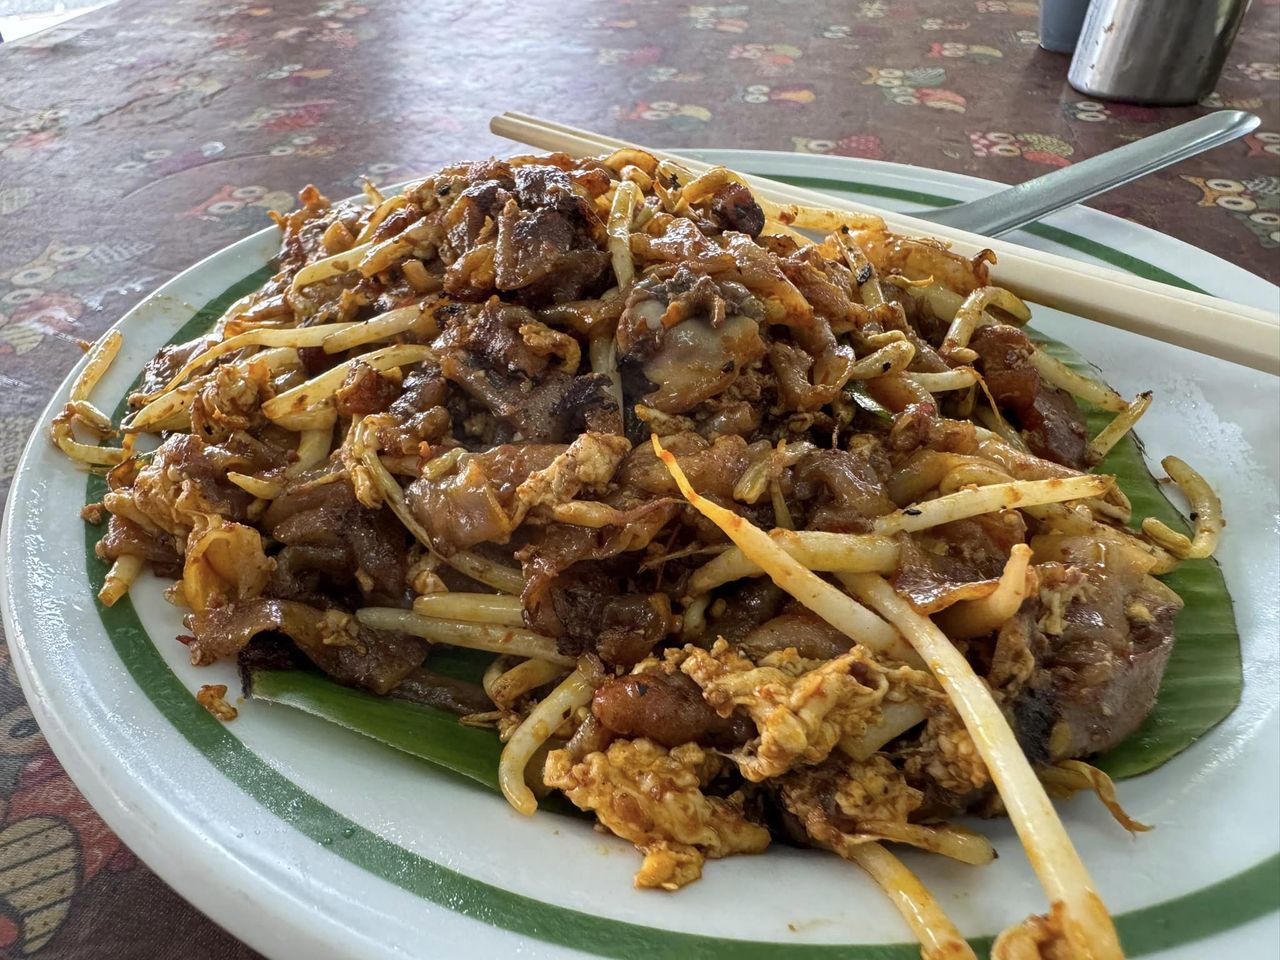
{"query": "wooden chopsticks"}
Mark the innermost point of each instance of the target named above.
(1196, 321)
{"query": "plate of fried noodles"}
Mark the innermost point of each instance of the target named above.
(566, 557)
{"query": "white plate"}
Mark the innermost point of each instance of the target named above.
(307, 841)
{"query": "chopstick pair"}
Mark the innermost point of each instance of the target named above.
(1196, 321)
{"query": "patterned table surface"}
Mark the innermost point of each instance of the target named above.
(140, 138)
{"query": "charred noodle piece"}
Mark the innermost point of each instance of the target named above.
(838, 609)
(1018, 462)
(926, 469)
(815, 549)
(695, 188)
(1077, 913)
(1074, 518)
(1206, 515)
(418, 277)
(493, 638)
(443, 692)
(998, 496)
(817, 219)
(558, 706)
(250, 311)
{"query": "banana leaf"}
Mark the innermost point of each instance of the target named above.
(1201, 685)
(425, 732)
(1203, 680)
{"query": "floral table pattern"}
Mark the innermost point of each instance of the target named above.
(140, 138)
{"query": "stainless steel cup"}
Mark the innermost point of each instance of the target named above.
(1154, 51)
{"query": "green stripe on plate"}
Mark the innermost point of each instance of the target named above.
(1226, 904)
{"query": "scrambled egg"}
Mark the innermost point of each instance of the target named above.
(653, 797)
(228, 402)
(590, 462)
(870, 791)
(801, 708)
(545, 341)
(875, 790)
(946, 754)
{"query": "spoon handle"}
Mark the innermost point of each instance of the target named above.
(1008, 209)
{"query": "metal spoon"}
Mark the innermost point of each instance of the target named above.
(1008, 209)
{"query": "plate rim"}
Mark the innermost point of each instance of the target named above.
(17, 638)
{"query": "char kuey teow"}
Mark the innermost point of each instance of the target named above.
(780, 526)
